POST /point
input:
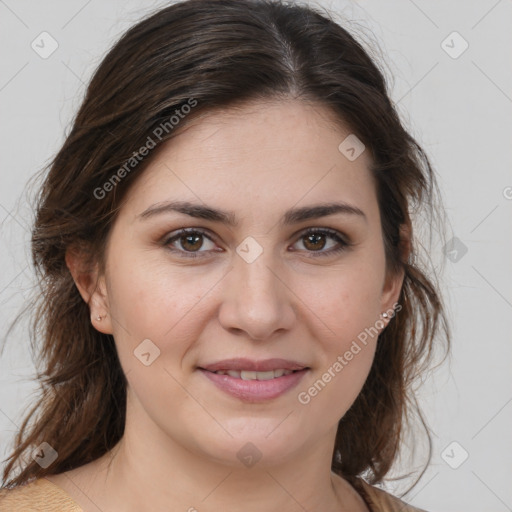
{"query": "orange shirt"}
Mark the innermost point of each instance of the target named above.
(41, 495)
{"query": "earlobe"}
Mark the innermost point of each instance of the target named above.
(99, 308)
(389, 301)
(394, 281)
(101, 322)
(92, 288)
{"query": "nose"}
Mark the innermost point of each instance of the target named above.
(257, 302)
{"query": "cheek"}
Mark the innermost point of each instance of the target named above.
(347, 352)
(152, 299)
(346, 300)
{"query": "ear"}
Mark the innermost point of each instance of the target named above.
(394, 280)
(391, 293)
(92, 288)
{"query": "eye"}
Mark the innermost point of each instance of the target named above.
(190, 240)
(314, 241)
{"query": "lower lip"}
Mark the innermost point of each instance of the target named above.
(255, 390)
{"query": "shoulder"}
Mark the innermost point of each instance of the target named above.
(381, 501)
(39, 495)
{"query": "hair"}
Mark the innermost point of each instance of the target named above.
(209, 55)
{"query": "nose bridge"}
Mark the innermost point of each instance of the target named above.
(256, 301)
(258, 279)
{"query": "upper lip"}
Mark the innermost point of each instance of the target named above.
(240, 364)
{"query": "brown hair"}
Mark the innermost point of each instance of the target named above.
(216, 53)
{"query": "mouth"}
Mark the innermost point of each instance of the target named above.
(253, 381)
(252, 375)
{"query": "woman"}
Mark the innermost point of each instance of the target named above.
(231, 307)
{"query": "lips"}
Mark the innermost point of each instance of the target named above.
(255, 381)
(248, 365)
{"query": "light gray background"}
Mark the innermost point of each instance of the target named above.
(458, 108)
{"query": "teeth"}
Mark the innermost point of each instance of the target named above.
(263, 375)
(250, 375)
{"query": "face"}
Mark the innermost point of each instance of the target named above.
(259, 275)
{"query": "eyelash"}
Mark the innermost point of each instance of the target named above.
(344, 244)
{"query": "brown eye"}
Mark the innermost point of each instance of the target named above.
(316, 240)
(191, 242)
(188, 242)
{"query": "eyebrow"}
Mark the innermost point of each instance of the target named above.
(292, 216)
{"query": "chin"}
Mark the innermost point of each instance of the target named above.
(253, 443)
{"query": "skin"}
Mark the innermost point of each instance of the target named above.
(182, 433)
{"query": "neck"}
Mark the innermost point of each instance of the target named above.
(149, 470)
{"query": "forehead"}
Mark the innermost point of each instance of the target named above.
(261, 154)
